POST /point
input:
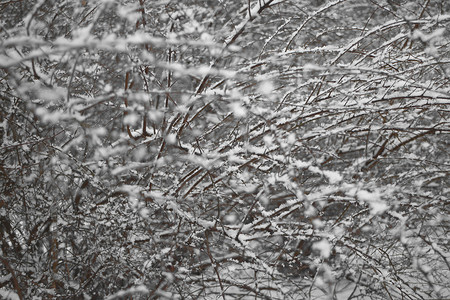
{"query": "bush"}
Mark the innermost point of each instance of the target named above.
(232, 149)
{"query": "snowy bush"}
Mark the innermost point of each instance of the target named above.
(263, 149)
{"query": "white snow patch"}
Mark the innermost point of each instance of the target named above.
(377, 205)
(206, 224)
(155, 116)
(291, 139)
(171, 139)
(367, 196)
(266, 87)
(231, 218)
(417, 34)
(8, 295)
(130, 12)
(128, 292)
(324, 248)
(140, 154)
(317, 223)
(238, 110)
(144, 212)
(333, 177)
(268, 140)
(51, 94)
(131, 119)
